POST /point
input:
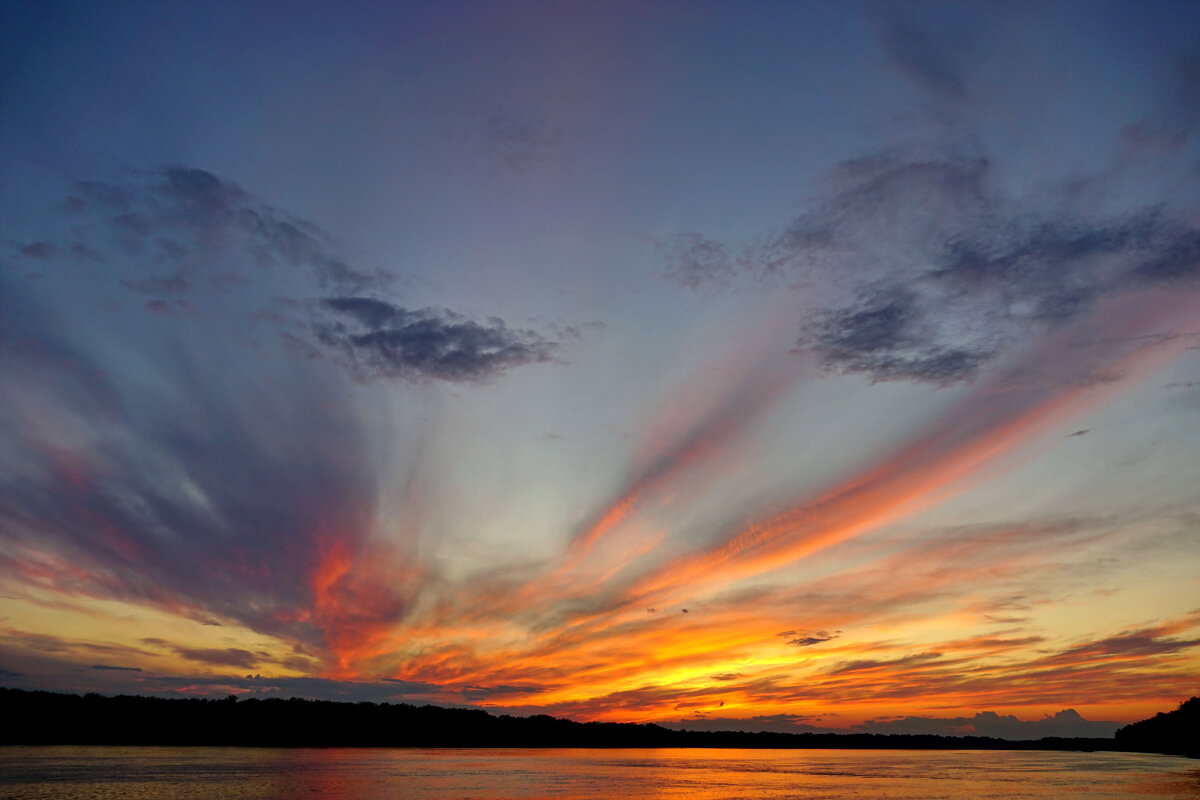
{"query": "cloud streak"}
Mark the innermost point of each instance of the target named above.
(176, 229)
(934, 272)
(385, 340)
(936, 254)
(988, 423)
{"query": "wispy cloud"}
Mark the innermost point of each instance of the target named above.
(991, 421)
(933, 271)
(385, 340)
(931, 61)
(176, 229)
(220, 657)
(934, 256)
(519, 142)
(809, 638)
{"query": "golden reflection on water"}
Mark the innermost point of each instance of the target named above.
(107, 773)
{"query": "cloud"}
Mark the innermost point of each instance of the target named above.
(932, 63)
(162, 284)
(969, 439)
(39, 250)
(157, 467)
(154, 492)
(1145, 642)
(1066, 723)
(886, 335)
(384, 691)
(382, 340)
(814, 637)
(220, 657)
(992, 643)
(876, 664)
(196, 220)
(519, 143)
(775, 723)
(66, 668)
(932, 270)
(1116, 668)
(695, 261)
(177, 229)
(932, 255)
(193, 500)
(698, 432)
(948, 570)
(970, 273)
(170, 308)
(325, 689)
(475, 694)
(997, 416)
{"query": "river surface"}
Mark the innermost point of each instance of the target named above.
(201, 773)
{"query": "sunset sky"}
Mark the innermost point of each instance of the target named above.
(774, 365)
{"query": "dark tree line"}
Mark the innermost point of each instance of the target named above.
(50, 718)
(1175, 732)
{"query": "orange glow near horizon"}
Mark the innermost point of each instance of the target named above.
(612, 659)
(828, 611)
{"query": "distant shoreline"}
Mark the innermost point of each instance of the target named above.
(48, 718)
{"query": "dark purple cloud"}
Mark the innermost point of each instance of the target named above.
(519, 142)
(388, 341)
(809, 638)
(161, 284)
(1066, 723)
(178, 490)
(933, 62)
(934, 271)
(220, 657)
(196, 221)
(175, 227)
(774, 723)
(477, 694)
(39, 250)
(695, 261)
(214, 477)
(923, 262)
(860, 665)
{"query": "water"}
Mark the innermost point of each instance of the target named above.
(204, 773)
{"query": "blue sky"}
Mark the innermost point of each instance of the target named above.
(814, 364)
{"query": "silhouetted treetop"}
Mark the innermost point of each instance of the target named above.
(1175, 732)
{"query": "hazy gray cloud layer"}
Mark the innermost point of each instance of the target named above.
(932, 271)
(1066, 723)
(173, 231)
(928, 258)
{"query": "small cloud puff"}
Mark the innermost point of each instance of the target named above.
(380, 339)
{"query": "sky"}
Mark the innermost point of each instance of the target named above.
(790, 366)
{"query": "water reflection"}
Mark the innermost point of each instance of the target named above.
(100, 773)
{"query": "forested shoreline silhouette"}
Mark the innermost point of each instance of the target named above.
(39, 717)
(1173, 732)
